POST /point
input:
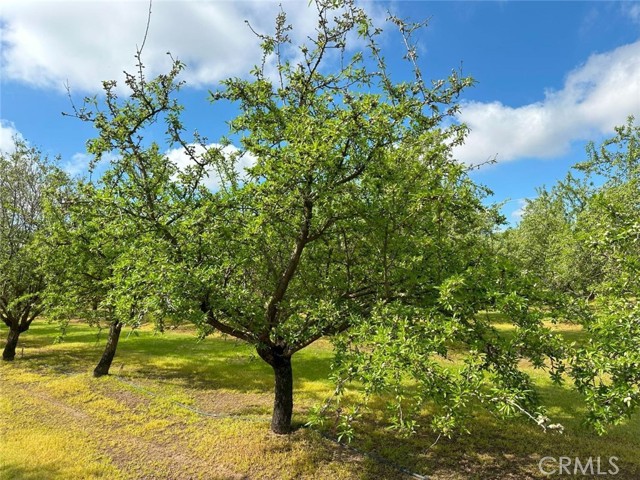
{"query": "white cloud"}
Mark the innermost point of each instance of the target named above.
(80, 162)
(47, 43)
(8, 133)
(212, 182)
(519, 211)
(632, 10)
(595, 97)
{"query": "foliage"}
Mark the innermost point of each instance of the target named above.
(581, 239)
(111, 243)
(25, 175)
(404, 352)
(548, 243)
(355, 218)
(607, 369)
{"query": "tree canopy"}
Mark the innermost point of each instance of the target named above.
(353, 217)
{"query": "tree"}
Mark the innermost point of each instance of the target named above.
(122, 248)
(354, 216)
(547, 241)
(25, 175)
(581, 239)
(304, 260)
(607, 368)
(353, 219)
(84, 261)
(109, 243)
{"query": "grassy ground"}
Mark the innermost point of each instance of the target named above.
(175, 408)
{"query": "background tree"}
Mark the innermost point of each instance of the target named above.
(581, 240)
(607, 368)
(122, 247)
(89, 265)
(25, 175)
(547, 243)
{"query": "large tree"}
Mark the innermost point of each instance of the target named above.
(25, 175)
(353, 218)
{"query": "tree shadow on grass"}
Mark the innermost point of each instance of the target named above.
(498, 448)
(10, 470)
(244, 375)
(181, 359)
(215, 363)
(489, 452)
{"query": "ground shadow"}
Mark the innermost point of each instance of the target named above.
(12, 471)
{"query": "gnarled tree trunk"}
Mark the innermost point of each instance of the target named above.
(283, 400)
(109, 350)
(9, 352)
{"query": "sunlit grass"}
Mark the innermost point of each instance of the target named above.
(176, 407)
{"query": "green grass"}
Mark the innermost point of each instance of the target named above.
(178, 408)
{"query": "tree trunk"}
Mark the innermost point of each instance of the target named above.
(9, 352)
(109, 350)
(283, 401)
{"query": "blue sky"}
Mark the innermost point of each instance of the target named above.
(551, 75)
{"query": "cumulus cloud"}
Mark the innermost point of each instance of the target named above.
(47, 43)
(80, 162)
(212, 182)
(8, 133)
(595, 97)
(519, 211)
